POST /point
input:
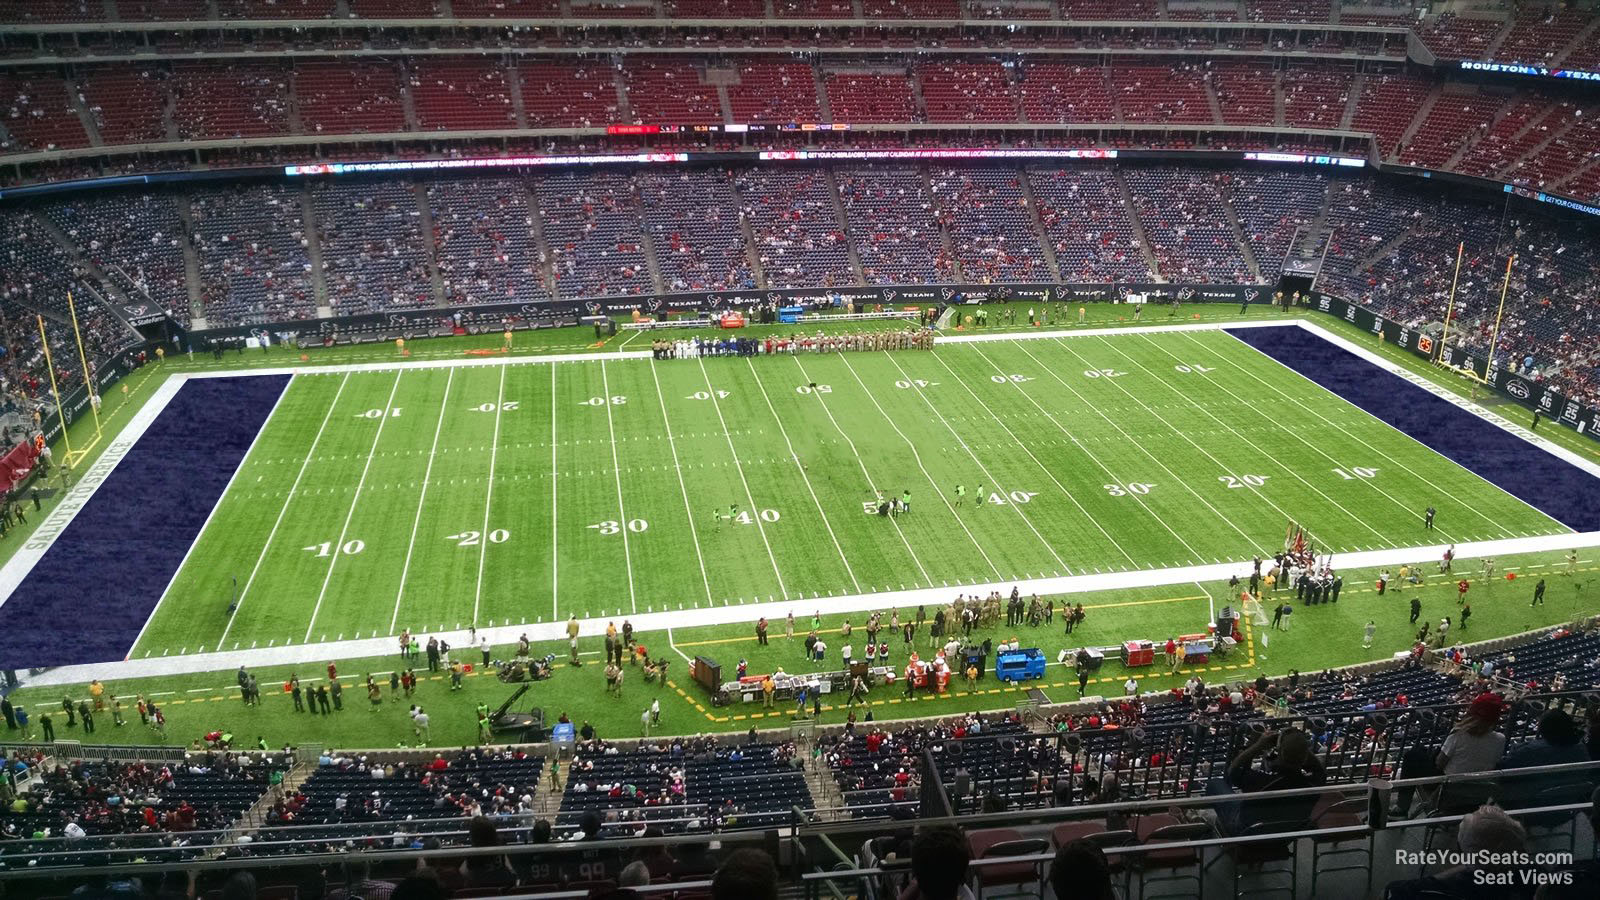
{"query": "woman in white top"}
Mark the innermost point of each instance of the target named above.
(1475, 745)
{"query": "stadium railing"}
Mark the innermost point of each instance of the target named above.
(74, 750)
(812, 855)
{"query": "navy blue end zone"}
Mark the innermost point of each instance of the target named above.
(1555, 487)
(91, 593)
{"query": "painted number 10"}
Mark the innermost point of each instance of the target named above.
(350, 548)
(1354, 472)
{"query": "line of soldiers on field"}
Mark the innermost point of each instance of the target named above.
(694, 348)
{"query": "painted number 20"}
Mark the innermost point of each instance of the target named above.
(471, 538)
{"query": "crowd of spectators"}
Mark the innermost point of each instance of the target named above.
(161, 809)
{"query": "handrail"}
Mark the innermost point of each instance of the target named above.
(1220, 842)
(831, 831)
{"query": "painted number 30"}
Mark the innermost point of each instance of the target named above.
(610, 527)
(1132, 487)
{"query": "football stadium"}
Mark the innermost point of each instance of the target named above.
(799, 448)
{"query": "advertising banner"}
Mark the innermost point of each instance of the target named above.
(1533, 394)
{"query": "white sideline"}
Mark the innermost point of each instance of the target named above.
(551, 632)
(21, 563)
(645, 354)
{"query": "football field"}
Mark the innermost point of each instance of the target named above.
(436, 498)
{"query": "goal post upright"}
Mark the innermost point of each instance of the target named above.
(1450, 308)
(88, 376)
(55, 390)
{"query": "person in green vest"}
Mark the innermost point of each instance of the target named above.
(483, 723)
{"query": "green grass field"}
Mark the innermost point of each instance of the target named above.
(435, 498)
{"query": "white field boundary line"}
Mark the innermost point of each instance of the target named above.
(16, 568)
(321, 652)
(1443, 393)
(616, 355)
(166, 591)
(1078, 583)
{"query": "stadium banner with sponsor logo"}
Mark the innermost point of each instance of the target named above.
(491, 317)
(1533, 394)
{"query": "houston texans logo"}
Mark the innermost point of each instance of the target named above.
(888, 296)
(398, 321)
(1251, 293)
(136, 310)
(654, 304)
(774, 298)
(593, 308)
(947, 293)
(1185, 294)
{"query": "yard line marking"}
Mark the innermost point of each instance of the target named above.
(616, 474)
(1142, 449)
(925, 474)
(754, 510)
(310, 453)
(803, 476)
(421, 499)
(555, 558)
(488, 502)
(1252, 444)
(1042, 467)
(1015, 507)
(355, 500)
(672, 444)
(1390, 425)
(894, 520)
(1313, 446)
